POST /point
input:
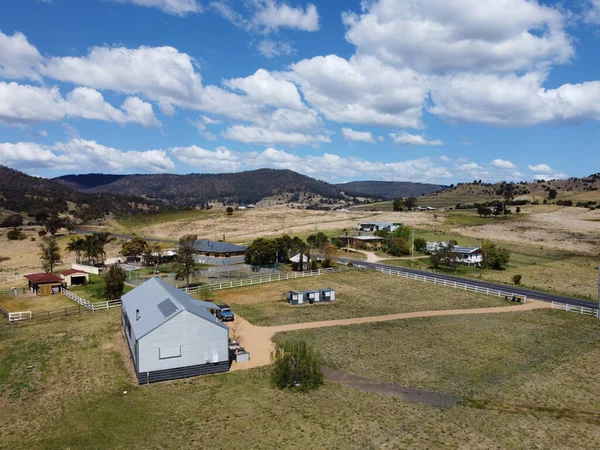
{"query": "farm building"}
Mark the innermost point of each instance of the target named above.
(44, 283)
(219, 249)
(74, 277)
(171, 335)
(296, 258)
(378, 226)
(310, 296)
(471, 256)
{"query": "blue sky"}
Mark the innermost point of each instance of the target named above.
(424, 90)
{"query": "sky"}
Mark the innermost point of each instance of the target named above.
(397, 90)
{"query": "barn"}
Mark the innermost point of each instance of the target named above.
(74, 277)
(44, 283)
(171, 335)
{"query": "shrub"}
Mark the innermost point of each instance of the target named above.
(517, 279)
(15, 234)
(296, 366)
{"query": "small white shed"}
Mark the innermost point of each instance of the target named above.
(171, 335)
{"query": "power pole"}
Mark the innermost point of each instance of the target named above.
(599, 292)
(214, 218)
(412, 238)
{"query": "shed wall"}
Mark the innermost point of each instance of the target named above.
(198, 341)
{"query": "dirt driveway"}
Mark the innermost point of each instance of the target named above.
(258, 340)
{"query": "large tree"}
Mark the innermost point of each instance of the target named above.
(399, 204)
(317, 240)
(262, 252)
(76, 245)
(134, 247)
(49, 254)
(114, 282)
(185, 261)
(494, 257)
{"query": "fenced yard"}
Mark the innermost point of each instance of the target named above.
(576, 309)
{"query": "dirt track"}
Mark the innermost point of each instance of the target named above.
(258, 340)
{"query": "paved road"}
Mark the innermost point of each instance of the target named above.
(530, 293)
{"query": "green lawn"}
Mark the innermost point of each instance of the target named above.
(359, 293)
(94, 290)
(62, 385)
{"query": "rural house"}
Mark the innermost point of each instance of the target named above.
(471, 256)
(360, 242)
(74, 277)
(44, 283)
(371, 227)
(219, 249)
(171, 335)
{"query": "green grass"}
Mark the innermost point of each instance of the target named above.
(72, 397)
(455, 354)
(359, 294)
(94, 290)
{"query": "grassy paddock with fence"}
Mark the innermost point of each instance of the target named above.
(359, 293)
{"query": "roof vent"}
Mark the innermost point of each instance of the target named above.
(137, 315)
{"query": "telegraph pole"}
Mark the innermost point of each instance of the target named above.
(599, 292)
(412, 238)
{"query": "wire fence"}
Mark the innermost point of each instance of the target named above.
(12, 292)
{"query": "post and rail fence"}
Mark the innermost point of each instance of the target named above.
(593, 312)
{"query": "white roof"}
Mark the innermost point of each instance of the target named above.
(296, 258)
(158, 302)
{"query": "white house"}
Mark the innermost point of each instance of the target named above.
(471, 256)
(435, 246)
(378, 226)
(296, 258)
(171, 335)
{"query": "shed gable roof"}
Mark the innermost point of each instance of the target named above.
(158, 302)
(43, 278)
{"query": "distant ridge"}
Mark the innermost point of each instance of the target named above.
(389, 190)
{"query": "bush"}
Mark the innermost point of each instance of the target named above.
(15, 234)
(314, 265)
(517, 279)
(296, 366)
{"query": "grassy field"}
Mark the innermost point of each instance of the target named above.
(34, 304)
(62, 384)
(94, 290)
(359, 294)
(136, 221)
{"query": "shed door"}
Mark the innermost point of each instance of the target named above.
(45, 289)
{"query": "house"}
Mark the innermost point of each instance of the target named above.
(75, 277)
(435, 246)
(171, 335)
(472, 256)
(44, 283)
(296, 258)
(371, 227)
(219, 249)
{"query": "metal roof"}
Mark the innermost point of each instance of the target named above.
(72, 272)
(381, 224)
(150, 299)
(367, 238)
(220, 247)
(466, 250)
(43, 278)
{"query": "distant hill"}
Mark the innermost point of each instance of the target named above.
(388, 190)
(577, 190)
(196, 189)
(28, 195)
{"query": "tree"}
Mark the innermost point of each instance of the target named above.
(134, 247)
(12, 221)
(76, 245)
(49, 254)
(296, 366)
(517, 279)
(397, 246)
(329, 254)
(261, 252)
(399, 204)
(15, 234)
(300, 247)
(436, 260)
(185, 261)
(410, 202)
(317, 240)
(494, 257)
(53, 224)
(552, 194)
(229, 211)
(114, 282)
(518, 210)
(152, 255)
(420, 244)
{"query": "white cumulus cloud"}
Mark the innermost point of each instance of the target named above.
(18, 58)
(503, 164)
(351, 135)
(404, 138)
(176, 7)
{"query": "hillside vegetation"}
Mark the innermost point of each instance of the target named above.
(389, 190)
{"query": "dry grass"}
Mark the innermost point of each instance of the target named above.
(62, 383)
(358, 294)
(33, 304)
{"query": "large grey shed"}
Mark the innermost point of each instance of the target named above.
(171, 335)
(327, 295)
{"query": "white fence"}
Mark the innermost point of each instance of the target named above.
(453, 284)
(89, 305)
(262, 279)
(21, 315)
(575, 309)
